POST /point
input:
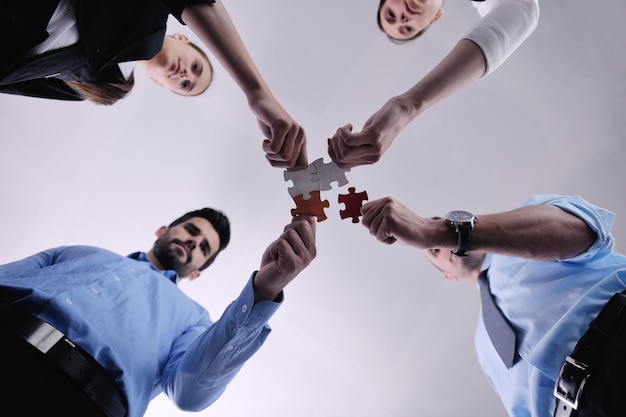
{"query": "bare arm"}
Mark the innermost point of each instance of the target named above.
(498, 34)
(286, 143)
(543, 232)
(464, 64)
(540, 232)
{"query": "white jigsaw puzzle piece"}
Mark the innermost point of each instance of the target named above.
(303, 182)
(325, 173)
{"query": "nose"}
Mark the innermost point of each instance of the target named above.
(191, 244)
(404, 17)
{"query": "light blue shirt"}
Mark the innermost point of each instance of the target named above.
(138, 324)
(550, 305)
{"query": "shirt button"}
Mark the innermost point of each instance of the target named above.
(95, 291)
(244, 308)
(116, 278)
(230, 348)
(69, 301)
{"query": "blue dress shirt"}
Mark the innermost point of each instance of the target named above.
(550, 304)
(138, 324)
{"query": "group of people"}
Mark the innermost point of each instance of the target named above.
(89, 332)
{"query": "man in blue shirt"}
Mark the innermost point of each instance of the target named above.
(144, 334)
(551, 270)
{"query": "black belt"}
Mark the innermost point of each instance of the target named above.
(71, 359)
(579, 364)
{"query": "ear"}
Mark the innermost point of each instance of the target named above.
(450, 277)
(181, 37)
(193, 275)
(161, 230)
(439, 15)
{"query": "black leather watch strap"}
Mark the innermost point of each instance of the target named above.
(463, 242)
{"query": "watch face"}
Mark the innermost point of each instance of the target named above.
(459, 216)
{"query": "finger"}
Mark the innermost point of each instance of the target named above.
(300, 233)
(279, 131)
(301, 161)
(289, 155)
(370, 210)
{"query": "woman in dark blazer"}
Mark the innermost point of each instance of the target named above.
(108, 33)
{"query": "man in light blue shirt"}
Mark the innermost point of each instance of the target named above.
(551, 269)
(129, 315)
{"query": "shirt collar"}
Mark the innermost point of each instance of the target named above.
(143, 257)
(486, 262)
(126, 68)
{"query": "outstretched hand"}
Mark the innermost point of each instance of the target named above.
(285, 258)
(349, 149)
(285, 146)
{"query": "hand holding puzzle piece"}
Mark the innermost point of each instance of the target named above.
(307, 184)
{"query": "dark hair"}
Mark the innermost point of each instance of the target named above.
(104, 93)
(218, 220)
(394, 40)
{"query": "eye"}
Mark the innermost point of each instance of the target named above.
(194, 66)
(391, 14)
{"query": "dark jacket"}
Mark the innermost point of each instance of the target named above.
(110, 32)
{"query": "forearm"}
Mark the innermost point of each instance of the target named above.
(541, 232)
(464, 64)
(213, 25)
(214, 358)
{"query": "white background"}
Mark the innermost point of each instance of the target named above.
(368, 329)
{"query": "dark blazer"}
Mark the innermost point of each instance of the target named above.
(110, 32)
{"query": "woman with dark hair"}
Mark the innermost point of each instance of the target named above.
(505, 24)
(85, 49)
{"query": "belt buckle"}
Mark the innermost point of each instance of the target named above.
(572, 379)
(40, 334)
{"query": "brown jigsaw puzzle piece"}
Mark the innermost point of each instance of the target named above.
(353, 202)
(313, 206)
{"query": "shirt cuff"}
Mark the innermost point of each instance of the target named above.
(251, 314)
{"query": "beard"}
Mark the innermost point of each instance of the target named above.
(172, 257)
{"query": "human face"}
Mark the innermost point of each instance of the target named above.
(179, 67)
(187, 246)
(454, 267)
(404, 19)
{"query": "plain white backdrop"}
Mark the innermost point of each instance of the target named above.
(367, 330)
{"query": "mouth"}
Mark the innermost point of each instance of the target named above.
(184, 249)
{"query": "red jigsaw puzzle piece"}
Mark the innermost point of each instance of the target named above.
(314, 206)
(353, 202)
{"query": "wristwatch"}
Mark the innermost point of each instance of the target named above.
(463, 224)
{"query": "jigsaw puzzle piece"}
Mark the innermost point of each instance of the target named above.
(303, 182)
(314, 206)
(325, 173)
(353, 202)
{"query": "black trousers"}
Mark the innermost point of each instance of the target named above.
(35, 386)
(605, 391)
